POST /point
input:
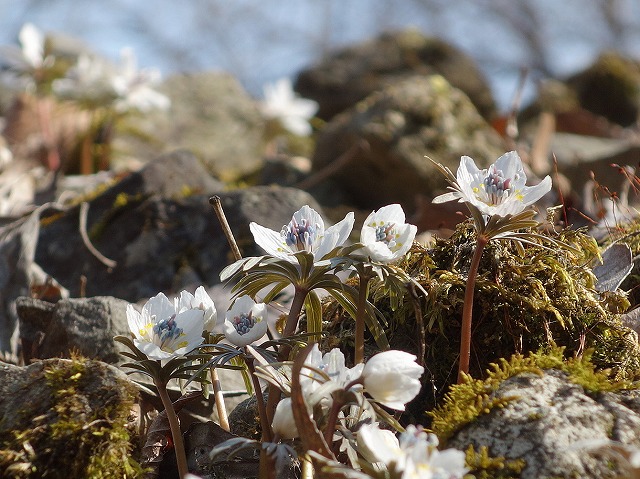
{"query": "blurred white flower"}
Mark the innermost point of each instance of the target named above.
(305, 232)
(134, 87)
(245, 322)
(32, 43)
(202, 301)
(415, 455)
(385, 234)
(392, 378)
(6, 156)
(89, 80)
(26, 60)
(282, 103)
(95, 80)
(498, 190)
(283, 424)
(161, 332)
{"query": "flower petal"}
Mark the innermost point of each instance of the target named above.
(392, 378)
(334, 236)
(531, 194)
(271, 242)
(378, 445)
(511, 166)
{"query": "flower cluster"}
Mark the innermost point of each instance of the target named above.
(343, 408)
(414, 454)
(391, 378)
(94, 81)
(385, 235)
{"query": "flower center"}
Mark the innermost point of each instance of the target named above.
(299, 236)
(166, 332)
(243, 323)
(386, 233)
(496, 187)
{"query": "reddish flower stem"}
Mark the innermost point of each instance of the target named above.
(467, 311)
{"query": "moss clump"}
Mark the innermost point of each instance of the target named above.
(467, 401)
(525, 300)
(79, 431)
(484, 466)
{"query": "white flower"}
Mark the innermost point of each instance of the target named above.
(378, 445)
(89, 80)
(333, 365)
(305, 232)
(385, 234)
(162, 332)
(425, 460)
(498, 190)
(27, 59)
(392, 378)
(315, 388)
(415, 454)
(125, 87)
(202, 301)
(283, 422)
(32, 43)
(245, 322)
(282, 103)
(134, 87)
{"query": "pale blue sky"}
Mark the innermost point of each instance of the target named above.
(262, 40)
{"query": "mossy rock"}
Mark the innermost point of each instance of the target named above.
(523, 302)
(63, 418)
(610, 88)
(530, 399)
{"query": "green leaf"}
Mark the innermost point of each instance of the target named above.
(313, 308)
(231, 270)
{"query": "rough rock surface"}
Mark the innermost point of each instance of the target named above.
(610, 88)
(401, 124)
(82, 325)
(547, 420)
(353, 73)
(211, 115)
(17, 250)
(160, 240)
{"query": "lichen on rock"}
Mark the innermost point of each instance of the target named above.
(63, 418)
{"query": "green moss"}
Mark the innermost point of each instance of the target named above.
(525, 301)
(483, 466)
(82, 434)
(467, 401)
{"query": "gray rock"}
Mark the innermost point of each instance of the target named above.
(412, 118)
(158, 244)
(65, 413)
(548, 420)
(82, 325)
(353, 73)
(17, 250)
(210, 115)
(609, 88)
